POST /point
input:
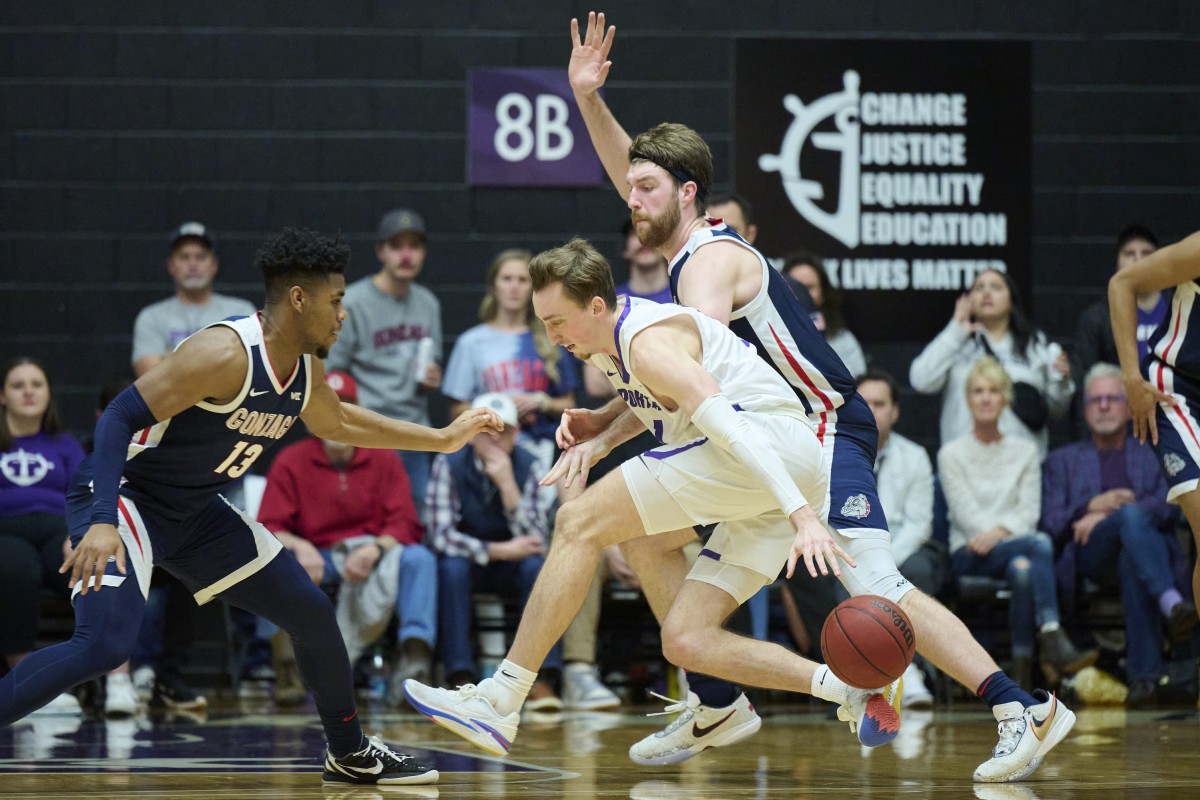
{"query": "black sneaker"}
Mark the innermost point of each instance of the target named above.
(377, 763)
(1182, 621)
(176, 695)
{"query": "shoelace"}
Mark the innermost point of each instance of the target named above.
(376, 748)
(676, 706)
(1010, 733)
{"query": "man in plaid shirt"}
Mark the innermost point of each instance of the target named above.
(488, 524)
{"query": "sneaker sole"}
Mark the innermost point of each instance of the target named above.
(407, 780)
(881, 721)
(489, 740)
(730, 737)
(1063, 724)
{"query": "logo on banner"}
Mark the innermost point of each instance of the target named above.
(899, 153)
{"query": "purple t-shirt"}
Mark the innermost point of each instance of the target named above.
(35, 473)
(1112, 470)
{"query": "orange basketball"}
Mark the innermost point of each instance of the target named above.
(868, 641)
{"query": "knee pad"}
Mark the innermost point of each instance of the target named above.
(876, 572)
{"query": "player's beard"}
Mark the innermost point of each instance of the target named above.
(322, 352)
(658, 230)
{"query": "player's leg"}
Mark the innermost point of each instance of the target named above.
(106, 622)
(1190, 503)
(661, 559)
(233, 557)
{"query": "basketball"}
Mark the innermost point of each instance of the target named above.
(868, 641)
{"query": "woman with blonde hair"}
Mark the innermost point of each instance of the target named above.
(993, 487)
(509, 352)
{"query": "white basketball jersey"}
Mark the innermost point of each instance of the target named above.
(745, 379)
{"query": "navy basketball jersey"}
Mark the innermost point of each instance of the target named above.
(783, 333)
(178, 464)
(1176, 343)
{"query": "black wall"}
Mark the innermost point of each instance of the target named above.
(122, 119)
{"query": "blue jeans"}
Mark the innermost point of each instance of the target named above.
(416, 595)
(1126, 550)
(1027, 563)
(418, 465)
(458, 579)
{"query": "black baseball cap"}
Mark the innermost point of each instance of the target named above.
(400, 220)
(193, 230)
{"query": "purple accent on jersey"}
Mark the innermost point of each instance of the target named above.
(668, 453)
(713, 554)
(661, 296)
(658, 429)
(620, 359)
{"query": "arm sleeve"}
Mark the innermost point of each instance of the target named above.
(931, 369)
(717, 419)
(127, 413)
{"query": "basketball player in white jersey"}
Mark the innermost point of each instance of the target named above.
(664, 175)
(722, 414)
(1164, 390)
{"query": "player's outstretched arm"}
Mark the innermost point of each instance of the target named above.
(329, 418)
(1163, 269)
(587, 72)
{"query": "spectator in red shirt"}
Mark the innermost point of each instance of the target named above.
(341, 511)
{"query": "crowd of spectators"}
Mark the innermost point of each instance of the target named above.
(403, 545)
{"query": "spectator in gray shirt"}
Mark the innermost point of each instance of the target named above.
(160, 327)
(388, 316)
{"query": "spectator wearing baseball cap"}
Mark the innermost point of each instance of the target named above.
(391, 341)
(192, 263)
(347, 515)
(488, 524)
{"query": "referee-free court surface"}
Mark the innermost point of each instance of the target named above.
(239, 751)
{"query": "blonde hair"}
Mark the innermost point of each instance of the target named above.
(581, 270)
(989, 369)
(490, 307)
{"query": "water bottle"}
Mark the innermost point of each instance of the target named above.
(424, 358)
(377, 679)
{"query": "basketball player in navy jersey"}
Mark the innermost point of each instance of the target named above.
(664, 174)
(1164, 389)
(150, 495)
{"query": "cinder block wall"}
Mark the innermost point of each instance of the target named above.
(121, 119)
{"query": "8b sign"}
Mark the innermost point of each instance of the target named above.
(524, 130)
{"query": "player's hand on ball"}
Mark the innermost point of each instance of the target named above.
(814, 545)
(90, 559)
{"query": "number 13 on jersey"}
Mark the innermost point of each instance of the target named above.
(244, 450)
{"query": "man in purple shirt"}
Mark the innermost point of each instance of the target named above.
(1104, 500)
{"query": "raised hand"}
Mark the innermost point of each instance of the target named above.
(589, 64)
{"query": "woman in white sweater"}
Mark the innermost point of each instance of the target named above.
(992, 484)
(988, 321)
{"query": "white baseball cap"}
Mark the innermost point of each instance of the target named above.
(502, 404)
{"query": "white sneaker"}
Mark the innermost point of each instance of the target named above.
(874, 715)
(466, 712)
(1026, 735)
(143, 682)
(916, 694)
(583, 691)
(119, 698)
(65, 705)
(696, 729)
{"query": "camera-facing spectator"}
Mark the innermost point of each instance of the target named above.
(988, 321)
(192, 263)
(391, 340)
(1104, 500)
(992, 483)
(808, 270)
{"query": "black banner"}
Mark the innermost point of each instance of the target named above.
(905, 164)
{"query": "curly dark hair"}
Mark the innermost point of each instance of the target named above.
(298, 256)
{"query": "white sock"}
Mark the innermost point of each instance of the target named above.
(828, 686)
(1048, 627)
(508, 687)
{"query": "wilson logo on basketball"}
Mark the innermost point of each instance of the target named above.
(899, 621)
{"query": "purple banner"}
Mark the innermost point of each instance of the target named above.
(523, 129)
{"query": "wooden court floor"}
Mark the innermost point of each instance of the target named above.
(247, 752)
